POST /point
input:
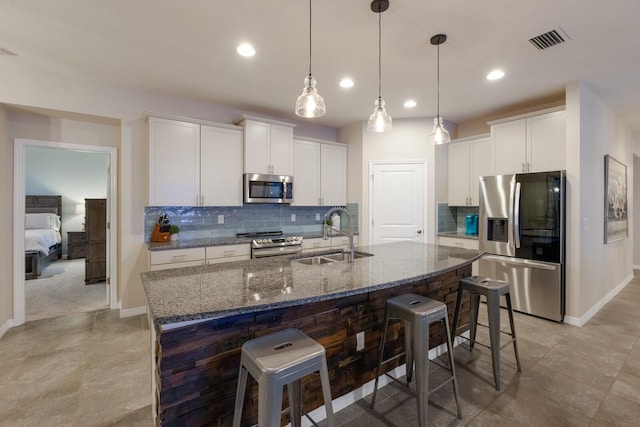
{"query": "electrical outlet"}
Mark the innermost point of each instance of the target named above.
(360, 341)
(317, 217)
(220, 219)
(293, 217)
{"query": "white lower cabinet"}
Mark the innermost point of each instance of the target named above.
(334, 242)
(176, 258)
(473, 244)
(226, 253)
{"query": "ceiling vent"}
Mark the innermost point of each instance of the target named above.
(548, 39)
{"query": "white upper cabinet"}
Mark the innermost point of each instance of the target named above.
(333, 174)
(319, 173)
(306, 173)
(268, 147)
(174, 163)
(220, 166)
(535, 143)
(194, 165)
(469, 159)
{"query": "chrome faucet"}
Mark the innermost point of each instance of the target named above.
(326, 228)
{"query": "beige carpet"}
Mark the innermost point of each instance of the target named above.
(61, 290)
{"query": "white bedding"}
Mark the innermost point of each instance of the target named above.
(41, 240)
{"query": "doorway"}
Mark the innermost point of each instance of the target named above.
(109, 154)
(397, 201)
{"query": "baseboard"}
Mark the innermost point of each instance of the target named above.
(136, 311)
(5, 327)
(580, 321)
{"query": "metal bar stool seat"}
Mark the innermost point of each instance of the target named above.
(279, 359)
(492, 290)
(418, 312)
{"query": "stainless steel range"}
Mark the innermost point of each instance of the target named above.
(272, 243)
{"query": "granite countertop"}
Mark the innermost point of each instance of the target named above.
(220, 290)
(458, 234)
(220, 241)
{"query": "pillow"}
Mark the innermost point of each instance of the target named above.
(42, 220)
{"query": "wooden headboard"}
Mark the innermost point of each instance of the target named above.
(43, 204)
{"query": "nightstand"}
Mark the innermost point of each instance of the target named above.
(76, 244)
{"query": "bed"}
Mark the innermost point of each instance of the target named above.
(43, 240)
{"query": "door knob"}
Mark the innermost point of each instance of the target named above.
(419, 231)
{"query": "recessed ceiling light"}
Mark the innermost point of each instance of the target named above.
(245, 49)
(346, 83)
(410, 103)
(495, 75)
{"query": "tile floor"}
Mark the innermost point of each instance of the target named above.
(81, 369)
(92, 369)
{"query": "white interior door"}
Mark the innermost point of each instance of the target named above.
(398, 202)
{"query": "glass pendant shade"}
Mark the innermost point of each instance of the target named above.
(379, 121)
(310, 103)
(439, 135)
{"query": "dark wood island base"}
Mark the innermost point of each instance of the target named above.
(197, 365)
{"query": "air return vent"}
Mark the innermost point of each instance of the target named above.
(548, 39)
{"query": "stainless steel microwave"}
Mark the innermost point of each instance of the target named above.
(262, 188)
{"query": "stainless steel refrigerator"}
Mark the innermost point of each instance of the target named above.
(522, 232)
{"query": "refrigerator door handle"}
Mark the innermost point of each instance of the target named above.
(516, 215)
(521, 262)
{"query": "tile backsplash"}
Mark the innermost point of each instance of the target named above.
(197, 222)
(452, 218)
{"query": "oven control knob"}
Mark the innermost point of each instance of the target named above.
(260, 241)
(269, 241)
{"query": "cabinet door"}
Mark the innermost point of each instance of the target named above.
(256, 147)
(546, 138)
(281, 150)
(333, 175)
(306, 173)
(174, 163)
(220, 166)
(480, 160)
(509, 147)
(459, 174)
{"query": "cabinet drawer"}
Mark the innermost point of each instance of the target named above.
(458, 243)
(228, 251)
(177, 255)
(228, 259)
(175, 265)
(315, 244)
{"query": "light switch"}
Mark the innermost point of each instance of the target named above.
(220, 219)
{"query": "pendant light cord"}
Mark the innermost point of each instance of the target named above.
(309, 38)
(379, 54)
(438, 84)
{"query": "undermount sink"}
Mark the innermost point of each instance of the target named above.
(329, 258)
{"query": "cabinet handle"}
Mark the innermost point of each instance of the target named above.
(178, 256)
(229, 253)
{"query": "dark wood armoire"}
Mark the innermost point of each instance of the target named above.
(95, 270)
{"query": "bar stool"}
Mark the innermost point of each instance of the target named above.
(492, 290)
(418, 313)
(277, 359)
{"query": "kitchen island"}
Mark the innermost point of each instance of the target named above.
(200, 317)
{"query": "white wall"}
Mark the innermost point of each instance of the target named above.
(408, 140)
(74, 175)
(635, 213)
(595, 270)
(6, 223)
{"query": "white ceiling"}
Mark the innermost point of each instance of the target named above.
(187, 48)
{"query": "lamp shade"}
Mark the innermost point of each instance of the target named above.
(380, 120)
(439, 135)
(310, 103)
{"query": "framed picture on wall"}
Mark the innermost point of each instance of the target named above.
(615, 200)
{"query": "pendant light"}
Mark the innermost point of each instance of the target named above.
(379, 121)
(310, 104)
(439, 135)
